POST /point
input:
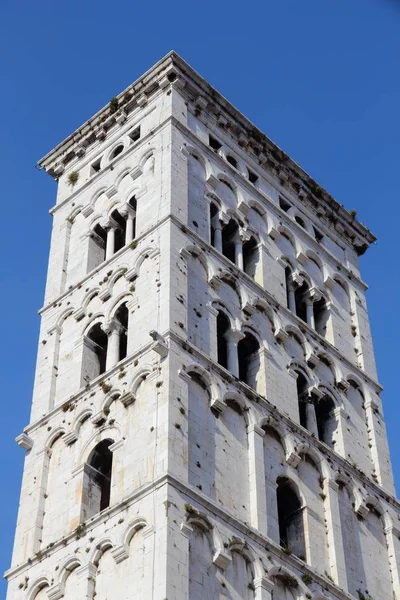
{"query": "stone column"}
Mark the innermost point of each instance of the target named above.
(113, 330)
(335, 536)
(110, 240)
(86, 582)
(239, 253)
(311, 417)
(263, 588)
(217, 233)
(258, 498)
(130, 215)
(310, 313)
(233, 338)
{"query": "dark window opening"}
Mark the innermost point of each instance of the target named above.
(318, 235)
(213, 214)
(214, 143)
(300, 299)
(253, 178)
(223, 327)
(290, 517)
(320, 316)
(326, 422)
(122, 316)
(229, 235)
(284, 204)
(300, 221)
(288, 276)
(98, 483)
(95, 168)
(99, 342)
(120, 230)
(135, 134)
(132, 203)
(249, 359)
(250, 257)
(117, 151)
(232, 161)
(302, 393)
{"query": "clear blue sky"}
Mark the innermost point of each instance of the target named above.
(320, 77)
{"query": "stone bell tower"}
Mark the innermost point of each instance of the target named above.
(206, 418)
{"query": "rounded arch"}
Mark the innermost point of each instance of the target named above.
(146, 155)
(39, 583)
(221, 307)
(286, 439)
(54, 435)
(63, 316)
(96, 195)
(117, 302)
(205, 525)
(320, 462)
(202, 374)
(144, 253)
(228, 181)
(140, 376)
(107, 432)
(283, 574)
(237, 400)
(301, 366)
(192, 151)
(342, 282)
(133, 527)
(67, 566)
(83, 416)
(194, 251)
(356, 382)
(111, 397)
(315, 257)
(95, 319)
(106, 543)
(329, 362)
(121, 175)
(89, 296)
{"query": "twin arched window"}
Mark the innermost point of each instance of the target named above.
(241, 358)
(119, 232)
(315, 414)
(227, 240)
(290, 518)
(104, 346)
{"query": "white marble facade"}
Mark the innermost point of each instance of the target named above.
(206, 418)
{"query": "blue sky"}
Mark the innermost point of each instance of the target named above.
(320, 77)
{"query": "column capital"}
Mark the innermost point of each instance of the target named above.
(254, 428)
(113, 326)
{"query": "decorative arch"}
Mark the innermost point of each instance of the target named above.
(53, 437)
(320, 462)
(40, 583)
(146, 155)
(102, 546)
(63, 316)
(66, 567)
(104, 433)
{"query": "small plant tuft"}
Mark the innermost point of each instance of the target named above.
(114, 105)
(306, 579)
(73, 178)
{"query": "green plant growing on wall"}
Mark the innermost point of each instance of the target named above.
(73, 178)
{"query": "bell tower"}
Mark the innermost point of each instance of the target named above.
(206, 417)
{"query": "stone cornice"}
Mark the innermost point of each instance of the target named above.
(172, 69)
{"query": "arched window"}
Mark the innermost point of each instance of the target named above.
(95, 353)
(300, 300)
(97, 480)
(320, 316)
(289, 288)
(131, 220)
(97, 247)
(122, 316)
(249, 360)
(117, 151)
(290, 518)
(120, 230)
(326, 422)
(223, 328)
(250, 257)
(213, 222)
(302, 387)
(230, 235)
